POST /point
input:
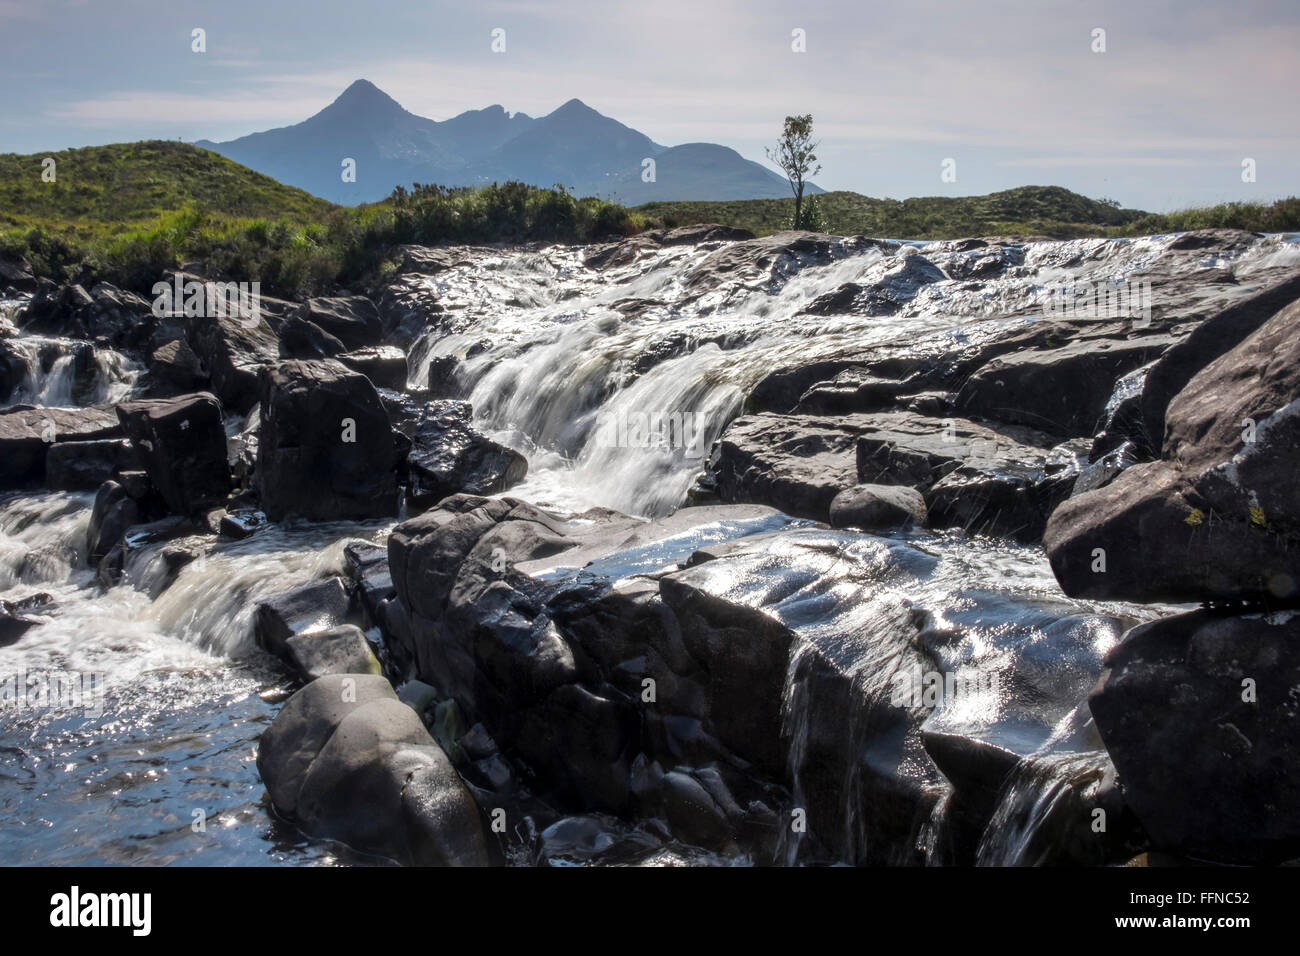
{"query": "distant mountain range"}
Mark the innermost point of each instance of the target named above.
(589, 153)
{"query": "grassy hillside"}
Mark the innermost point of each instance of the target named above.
(1027, 210)
(127, 212)
(109, 190)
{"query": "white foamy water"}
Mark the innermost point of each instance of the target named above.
(569, 346)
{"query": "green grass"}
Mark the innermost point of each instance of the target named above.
(106, 190)
(1028, 210)
(127, 212)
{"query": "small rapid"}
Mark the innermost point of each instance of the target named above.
(557, 357)
(129, 722)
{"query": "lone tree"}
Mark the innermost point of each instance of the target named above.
(794, 154)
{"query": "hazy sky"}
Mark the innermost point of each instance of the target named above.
(1013, 92)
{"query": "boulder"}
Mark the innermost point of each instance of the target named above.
(114, 316)
(302, 339)
(85, 465)
(325, 445)
(384, 365)
(174, 366)
(19, 617)
(233, 350)
(335, 650)
(16, 273)
(182, 444)
(348, 761)
(311, 609)
(352, 319)
(27, 434)
(1209, 340)
(241, 524)
(448, 456)
(1198, 714)
(877, 508)
(112, 514)
(122, 319)
(1216, 519)
(57, 311)
(1063, 391)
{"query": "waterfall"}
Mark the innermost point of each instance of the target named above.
(550, 350)
(67, 374)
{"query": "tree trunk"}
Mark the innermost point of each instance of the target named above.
(798, 205)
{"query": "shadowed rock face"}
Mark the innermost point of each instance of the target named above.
(1215, 519)
(27, 434)
(448, 456)
(325, 447)
(348, 761)
(1198, 714)
(786, 670)
(181, 442)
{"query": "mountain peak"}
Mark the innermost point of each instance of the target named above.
(575, 107)
(363, 94)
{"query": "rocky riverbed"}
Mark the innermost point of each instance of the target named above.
(690, 548)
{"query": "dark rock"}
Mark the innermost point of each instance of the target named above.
(366, 566)
(1062, 391)
(352, 319)
(182, 444)
(238, 525)
(113, 513)
(19, 617)
(800, 463)
(1011, 493)
(384, 365)
(336, 650)
(1209, 340)
(348, 761)
(27, 434)
(85, 465)
(1217, 518)
(325, 445)
(887, 294)
(310, 609)
(447, 456)
(1226, 241)
(444, 378)
(233, 350)
(301, 339)
(1198, 714)
(14, 368)
(175, 366)
(877, 508)
(55, 311)
(17, 273)
(121, 318)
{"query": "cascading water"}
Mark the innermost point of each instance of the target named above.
(62, 374)
(556, 350)
(158, 702)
